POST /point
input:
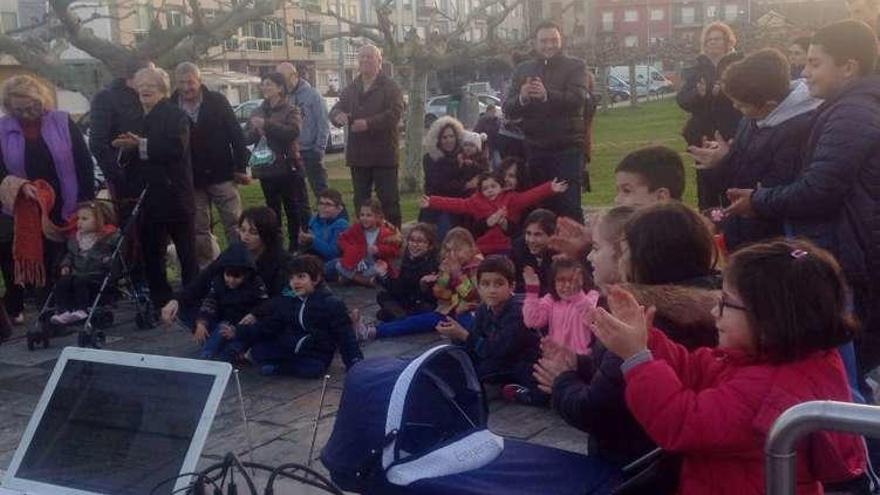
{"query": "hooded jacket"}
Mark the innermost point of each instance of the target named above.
(715, 407)
(326, 234)
(223, 303)
(95, 262)
(835, 202)
(500, 343)
(353, 244)
(318, 324)
(444, 175)
(591, 398)
(558, 122)
(315, 127)
(766, 152)
(564, 318)
(708, 113)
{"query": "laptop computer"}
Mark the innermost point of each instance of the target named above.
(117, 422)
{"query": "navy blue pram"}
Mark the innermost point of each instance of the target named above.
(420, 427)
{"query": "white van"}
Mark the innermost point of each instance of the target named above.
(649, 80)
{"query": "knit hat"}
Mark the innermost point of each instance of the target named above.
(474, 138)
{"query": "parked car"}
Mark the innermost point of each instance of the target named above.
(435, 106)
(335, 141)
(649, 80)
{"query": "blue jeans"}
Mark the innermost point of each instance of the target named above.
(214, 345)
(545, 165)
(420, 323)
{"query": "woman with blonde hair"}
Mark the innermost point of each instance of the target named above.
(42, 154)
(157, 157)
(712, 114)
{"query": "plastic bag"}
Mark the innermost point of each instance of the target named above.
(262, 155)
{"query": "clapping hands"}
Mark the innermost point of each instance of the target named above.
(624, 331)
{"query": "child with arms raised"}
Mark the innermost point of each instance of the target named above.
(780, 317)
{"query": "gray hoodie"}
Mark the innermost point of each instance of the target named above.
(796, 103)
(315, 124)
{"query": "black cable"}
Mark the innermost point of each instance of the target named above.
(174, 478)
(321, 483)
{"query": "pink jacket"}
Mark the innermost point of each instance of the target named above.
(564, 318)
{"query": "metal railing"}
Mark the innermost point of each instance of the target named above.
(804, 419)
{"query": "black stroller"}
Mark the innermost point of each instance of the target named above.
(117, 283)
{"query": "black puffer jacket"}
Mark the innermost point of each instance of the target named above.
(223, 303)
(592, 398)
(558, 123)
(406, 288)
(835, 202)
(709, 113)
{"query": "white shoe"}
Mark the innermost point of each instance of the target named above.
(78, 316)
(60, 318)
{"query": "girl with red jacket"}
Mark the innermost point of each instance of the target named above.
(780, 317)
(370, 242)
(495, 207)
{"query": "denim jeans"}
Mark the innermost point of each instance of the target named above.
(214, 345)
(545, 165)
(420, 323)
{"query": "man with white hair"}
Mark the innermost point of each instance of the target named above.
(219, 157)
(315, 127)
(371, 107)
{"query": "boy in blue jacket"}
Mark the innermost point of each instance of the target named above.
(305, 327)
(324, 229)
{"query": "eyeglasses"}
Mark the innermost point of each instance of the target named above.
(722, 303)
(328, 204)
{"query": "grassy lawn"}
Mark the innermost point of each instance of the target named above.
(617, 132)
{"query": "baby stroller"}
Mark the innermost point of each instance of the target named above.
(100, 314)
(420, 427)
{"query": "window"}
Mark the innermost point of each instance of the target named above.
(174, 19)
(731, 12)
(631, 41)
(711, 11)
(143, 17)
(656, 40)
(8, 21)
(630, 15)
(688, 15)
(607, 21)
(657, 14)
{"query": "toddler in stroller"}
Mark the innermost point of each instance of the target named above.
(89, 257)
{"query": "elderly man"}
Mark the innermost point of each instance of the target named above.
(315, 125)
(549, 94)
(219, 157)
(371, 107)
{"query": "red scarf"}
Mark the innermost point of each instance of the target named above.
(32, 221)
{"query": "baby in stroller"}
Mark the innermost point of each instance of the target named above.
(89, 258)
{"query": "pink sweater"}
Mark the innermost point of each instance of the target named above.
(564, 318)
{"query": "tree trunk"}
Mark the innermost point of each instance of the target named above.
(415, 129)
(633, 85)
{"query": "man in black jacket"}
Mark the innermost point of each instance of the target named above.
(219, 157)
(549, 94)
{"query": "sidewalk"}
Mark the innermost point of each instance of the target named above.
(281, 411)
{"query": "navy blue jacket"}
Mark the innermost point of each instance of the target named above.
(406, 287)
(501, 345)
(319, 324)
(835, 202)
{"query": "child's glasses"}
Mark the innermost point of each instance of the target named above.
(722, 303)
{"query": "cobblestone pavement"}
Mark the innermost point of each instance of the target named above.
(281, 410)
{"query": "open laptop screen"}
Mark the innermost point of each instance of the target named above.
(112, 428)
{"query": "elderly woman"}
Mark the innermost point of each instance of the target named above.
(157, 157)
(36, 144)
(701, 96)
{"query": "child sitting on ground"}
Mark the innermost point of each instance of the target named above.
(324, 229)
(781, 314)
(370, 240)
(532, 249)
(454, 287)
(502, 348)
(404, 295)
(495, 207)
(233, 293)
(89, 257)
(306, 326)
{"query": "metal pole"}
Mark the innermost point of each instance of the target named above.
(317, 420)
(804, 419)
(339, 52)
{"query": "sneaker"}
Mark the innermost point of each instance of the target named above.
(513, 392)
(364, 332)
(78, 316)
(60, 318)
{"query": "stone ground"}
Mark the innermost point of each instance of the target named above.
(281, 410)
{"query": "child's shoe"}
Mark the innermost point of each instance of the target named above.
(513, 392)
(62, 318)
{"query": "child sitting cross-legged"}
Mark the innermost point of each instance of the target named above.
(780, 317)
(495, 207)
(233, 293)
(324, 229)
(370, 240)
(502, 347)
(306, 325)
(403, 295)
(454, 287)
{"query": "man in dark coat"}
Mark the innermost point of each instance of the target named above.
(371, 107)
(219, 157)
(835, 202)
(549, 94)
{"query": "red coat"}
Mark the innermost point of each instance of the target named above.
(480, 208)
(716, 408)
(353, 245)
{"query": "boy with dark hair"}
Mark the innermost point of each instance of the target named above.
(532, 248)
(305, 327)
(502, 348)
(836, 199)
(324, 229)
(766, 149)
(370, 241)
(649, 175)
